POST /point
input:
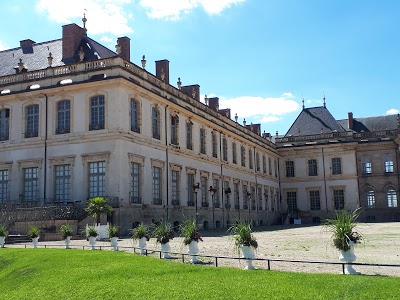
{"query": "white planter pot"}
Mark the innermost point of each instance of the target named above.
(2, 241)
(142, 244)
(248, 254)
(348, 257)
(67, 241)
(164, 251)
(194, 250)
(35, 242)
(114, 243)
(92, 242)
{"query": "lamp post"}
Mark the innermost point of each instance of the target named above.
(227, 203)
(212, 191)
(248, 202)
(196, 188)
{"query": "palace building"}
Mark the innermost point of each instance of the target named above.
(78, 120)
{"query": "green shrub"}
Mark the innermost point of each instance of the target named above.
(66, 231)
(163, 233)
(33, 232)
(241, 232)
(3, 231)
(91, 232)
(140, 231)
(113, 231)
(189, 231)
(343, 229)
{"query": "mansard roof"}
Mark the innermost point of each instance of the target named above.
(314, 120)
(371, 124)
(34, 57)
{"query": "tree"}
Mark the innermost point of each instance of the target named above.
(97, 206)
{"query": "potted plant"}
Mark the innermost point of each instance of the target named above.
(34, 235)
(245, 241)
(3, 235)
(191, 238)
(345, 236)
(97, 206)
(91, 234)
(163, 233)
(66, 233)
(141, 233)
(113, 234)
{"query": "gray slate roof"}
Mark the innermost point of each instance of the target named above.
(35, 57)
(312, 120)
(372, 123)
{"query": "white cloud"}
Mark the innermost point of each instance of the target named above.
(393, 111)
(3, 46)
(106, 39)
(259, 109)
(104, 16)
(174, 9)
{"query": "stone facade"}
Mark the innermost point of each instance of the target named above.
(88, 122)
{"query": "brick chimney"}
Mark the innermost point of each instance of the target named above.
(189, 89)
(213, 103)
(72, 35)
(255, 128)
(125, 44)
(350, 114)
(225, 112)
(162, 67)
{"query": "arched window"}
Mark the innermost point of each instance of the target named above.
(391, 197)
(370, 196)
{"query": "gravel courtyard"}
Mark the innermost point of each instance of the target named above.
(381, 245)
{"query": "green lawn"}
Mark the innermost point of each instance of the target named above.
(77, 274)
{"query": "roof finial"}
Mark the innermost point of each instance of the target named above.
(84, 20)
(324, 101)
(302, 100)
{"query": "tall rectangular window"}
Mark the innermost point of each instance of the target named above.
(32, 121)
(4, 124)
(250, 158)
(31, 186)
(391, 197)
(225, 149)
(291, 200)
(4, 186)
(97, 113)
(234, 153)
(214, 145)
(216, 203)
(62, 183)
(236, 195)
(135, 192)
(315, 201)
(243, 156)
(245, 197)
(227, 194)
(174, 130)
(370, 199)
(312, 167)
(202, 141)
(264, 164)
(175, 187)
(135, 113)
(253, 198)
(258, 168)
(189, 136)
(336, 166)
(157, 186)
(270, 166)
(289, 168)
(97, 179)
(155, 123)
(190, 183)
(204, 192)
(259, 195)
(338, 199)
(63, 116)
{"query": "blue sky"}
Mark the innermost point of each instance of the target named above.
(260, 57)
